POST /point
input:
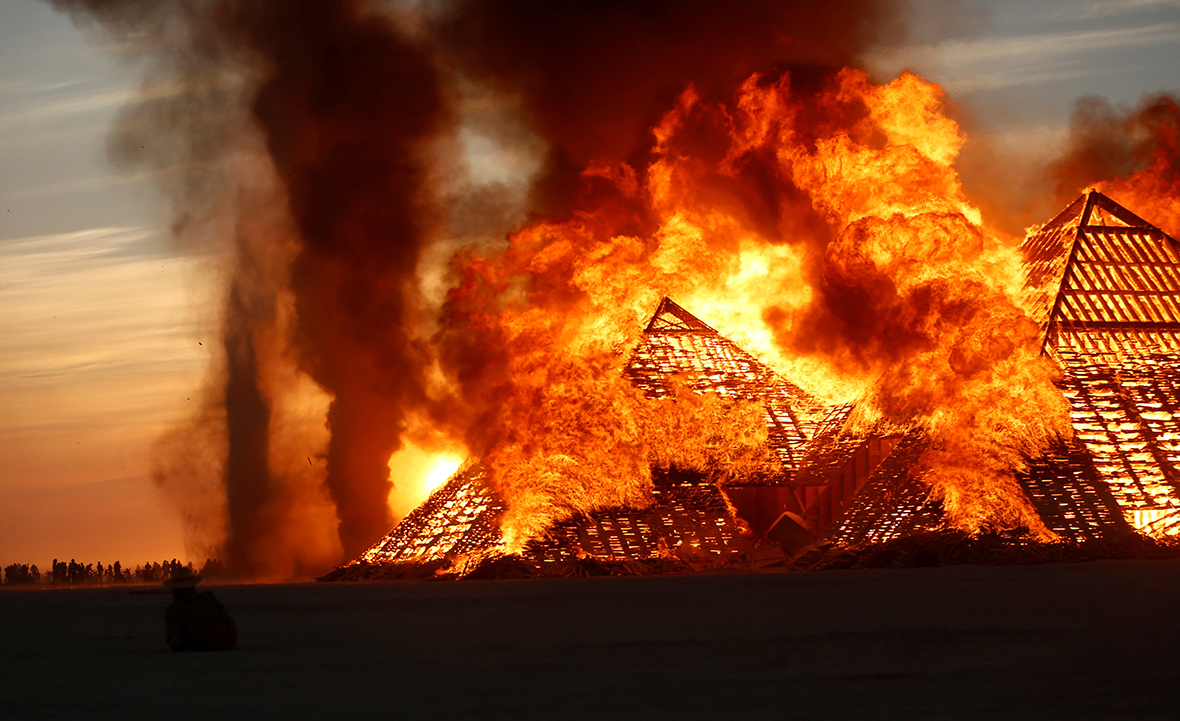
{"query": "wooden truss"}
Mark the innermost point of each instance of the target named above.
(1113, 324)
(1104, 285)
(676, 343)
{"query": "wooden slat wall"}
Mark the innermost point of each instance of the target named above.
(689, 515)
(1114, 327)
(893, 503)
(1121, 277)
(1071, 497)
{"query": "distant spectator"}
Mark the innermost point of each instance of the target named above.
(213, 568)
(196, 620)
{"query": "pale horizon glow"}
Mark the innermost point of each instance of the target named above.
(101, 356)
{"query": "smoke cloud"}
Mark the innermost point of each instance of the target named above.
(685, 146)
(1132, 154)
(591, 78)
(302, 134)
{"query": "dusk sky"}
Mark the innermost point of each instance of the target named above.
(106, 330)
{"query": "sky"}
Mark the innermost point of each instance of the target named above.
(106, 330)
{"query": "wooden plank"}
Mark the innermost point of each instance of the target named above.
(1119, 291)
(1082, 326)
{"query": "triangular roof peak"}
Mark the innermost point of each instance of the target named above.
(1094, 209)
(671, 318)
(1098, 267)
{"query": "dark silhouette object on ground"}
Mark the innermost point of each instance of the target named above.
(196, 620)
(22, 573)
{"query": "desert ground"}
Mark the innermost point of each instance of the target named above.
(1079, 641)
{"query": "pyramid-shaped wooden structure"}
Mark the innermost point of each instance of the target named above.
(676, 343)
(691, 513)
(1104, 285)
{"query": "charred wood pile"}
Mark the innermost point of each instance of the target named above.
(948, 547)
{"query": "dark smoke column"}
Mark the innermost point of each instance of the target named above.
(347, 104)
(347, 113)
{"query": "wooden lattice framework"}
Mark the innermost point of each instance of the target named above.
(893, 503)
(458, 518)
(1105, 286)
(690, 514)
(676, 343)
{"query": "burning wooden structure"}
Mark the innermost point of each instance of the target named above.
(691, 515)
(1105, 287)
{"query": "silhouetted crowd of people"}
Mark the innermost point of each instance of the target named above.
(74, 573)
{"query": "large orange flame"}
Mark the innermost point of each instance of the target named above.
(825, 230)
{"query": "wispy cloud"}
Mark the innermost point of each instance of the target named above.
(102, 301)
(69, 248)
(22, 85)
(1112, 8)
(101, 346)
(23, 114)
(75, 185)
(23, 102)
(966, 66)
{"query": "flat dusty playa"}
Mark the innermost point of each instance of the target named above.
(1093, 640)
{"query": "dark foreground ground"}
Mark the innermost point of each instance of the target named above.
(1093, 640)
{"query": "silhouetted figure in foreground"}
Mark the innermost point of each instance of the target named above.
(196, 620)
